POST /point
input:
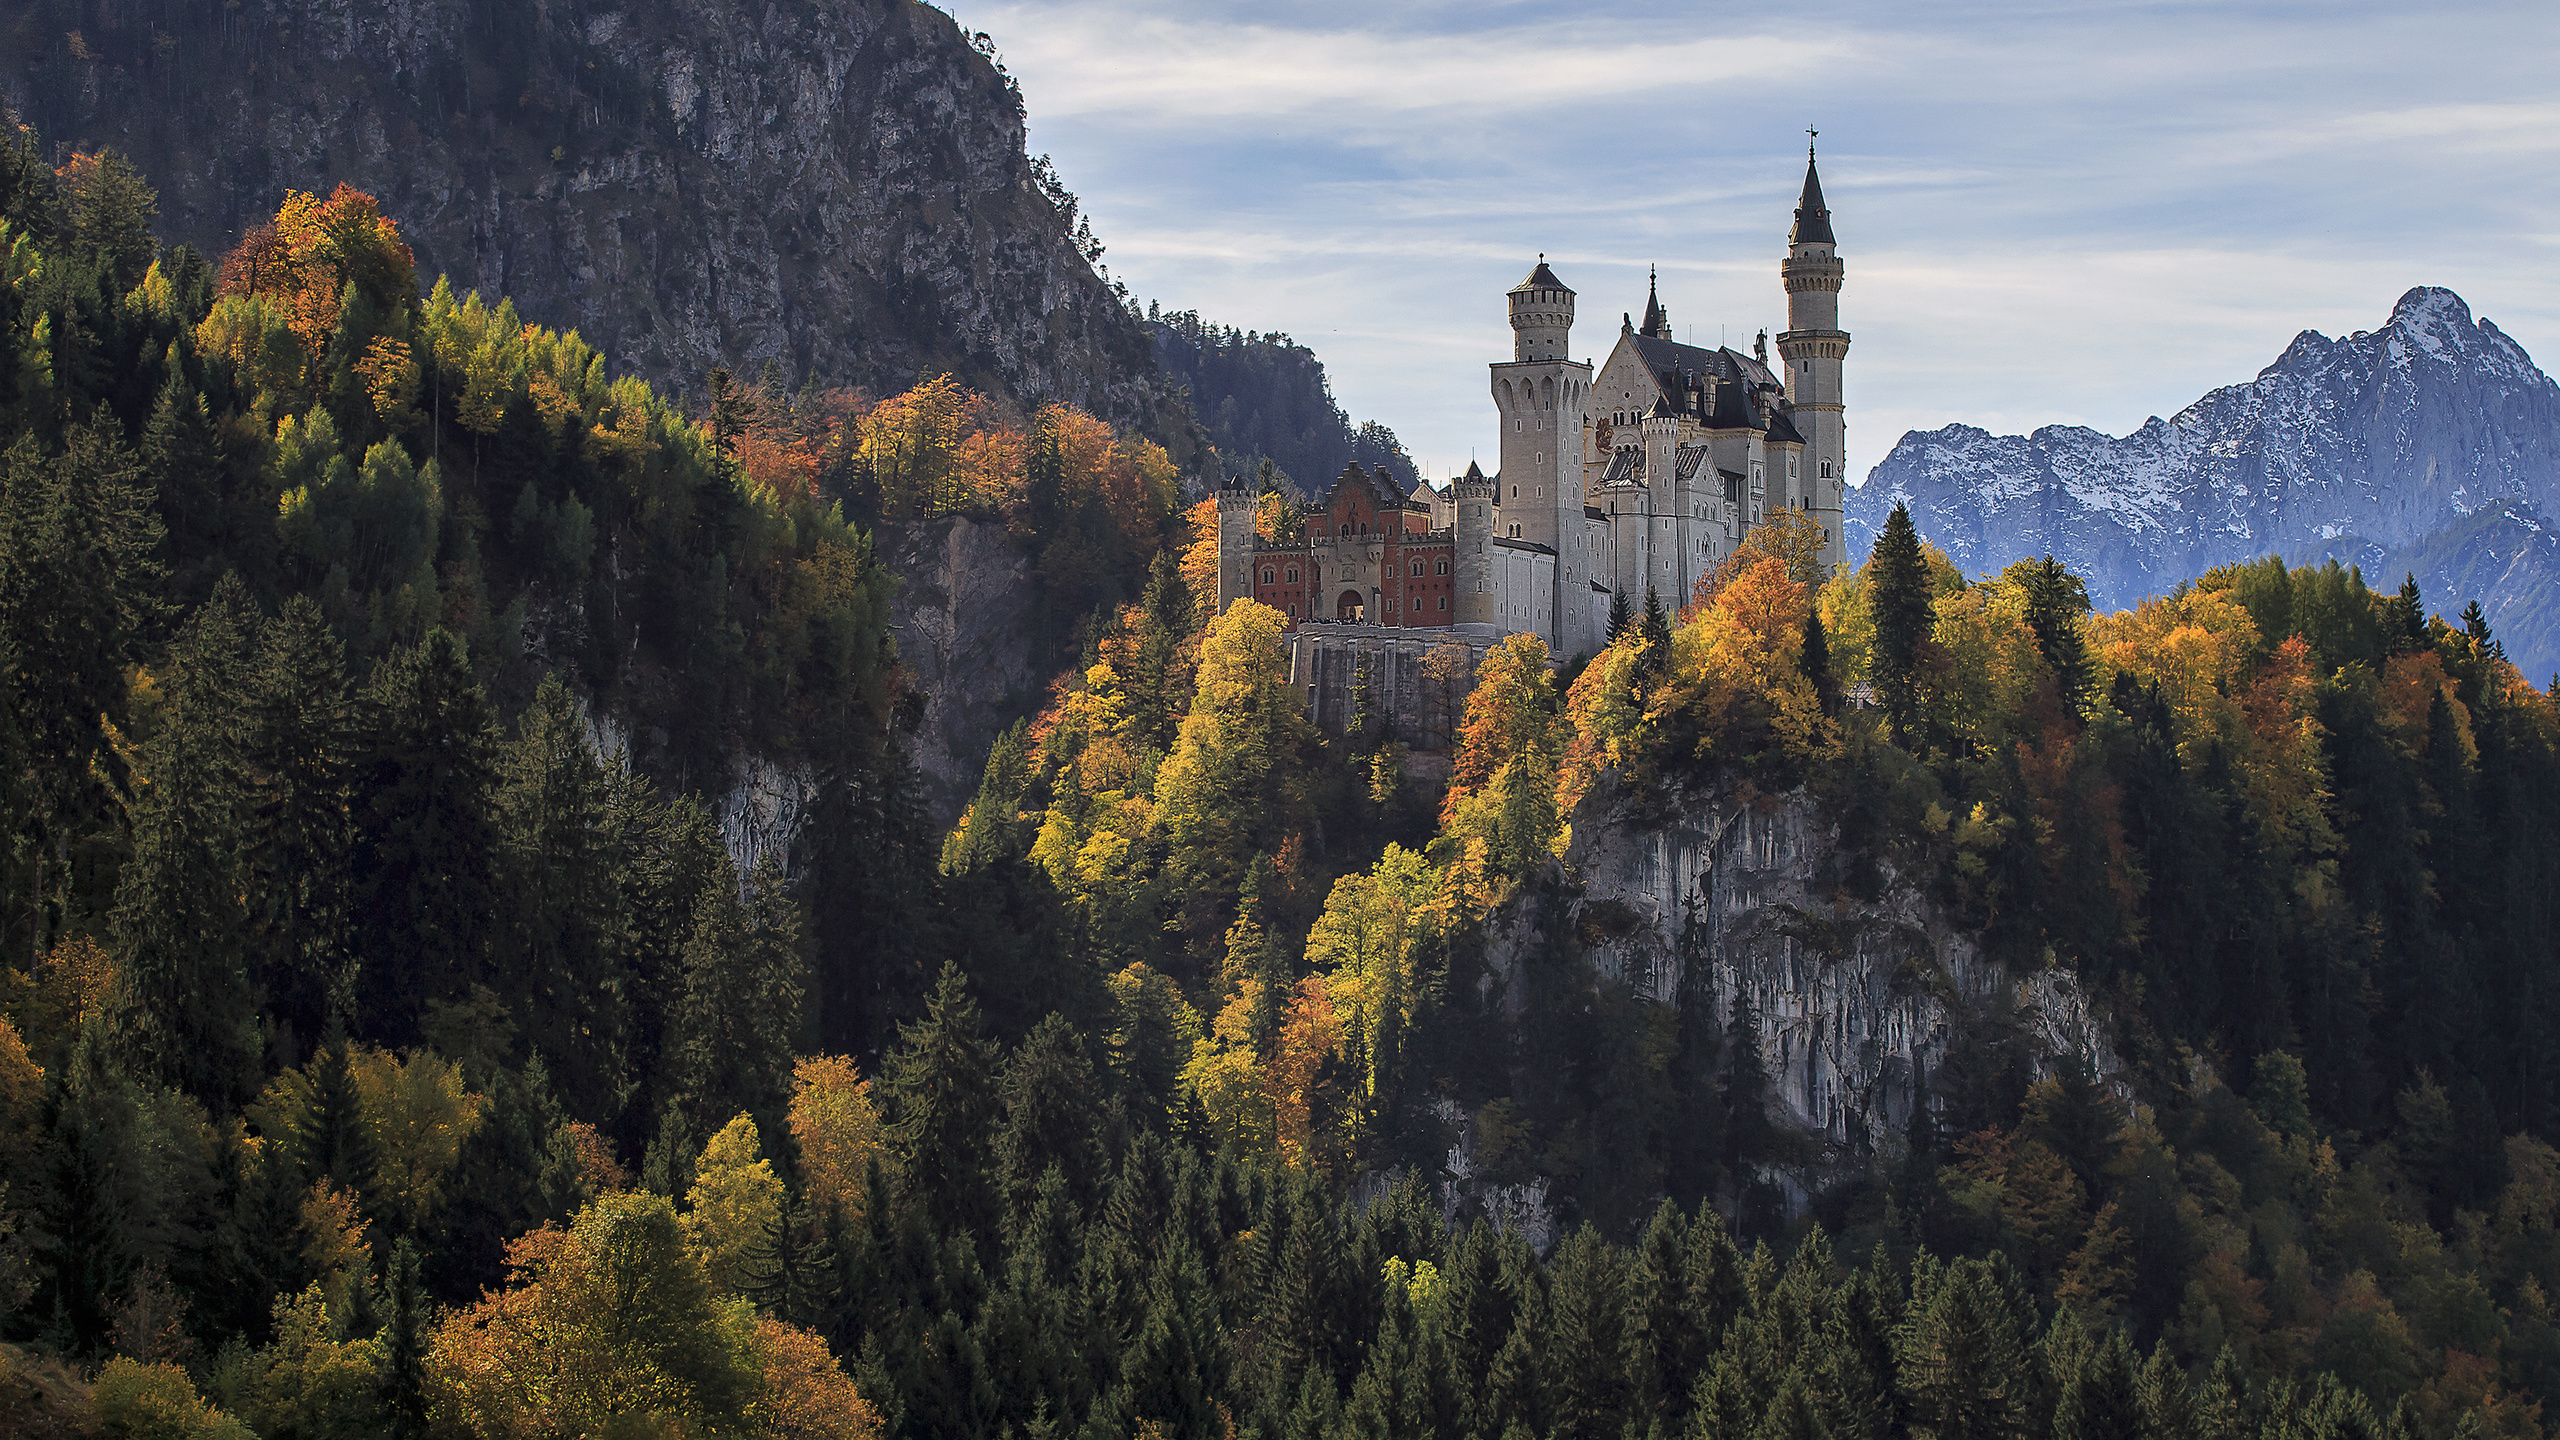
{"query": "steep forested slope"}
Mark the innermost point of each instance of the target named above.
(1265, 397)
(391, 1041)
(839, 189)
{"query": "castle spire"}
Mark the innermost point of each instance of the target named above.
(1657, 321)
(1813, 218)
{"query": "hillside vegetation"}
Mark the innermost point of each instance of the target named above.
(390, 1042)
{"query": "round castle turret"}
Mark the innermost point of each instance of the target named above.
(1541, 315)
(1813, 348)
(1236, 504)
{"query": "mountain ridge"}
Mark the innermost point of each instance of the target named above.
(2373, 449)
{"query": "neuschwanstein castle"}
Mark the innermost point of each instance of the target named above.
(1638, 477)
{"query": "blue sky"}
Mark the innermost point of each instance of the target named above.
(2060, 213)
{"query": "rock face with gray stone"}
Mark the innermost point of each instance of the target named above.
(965, 626)
(839, 188)
(1855, 1000)
(2431, 445)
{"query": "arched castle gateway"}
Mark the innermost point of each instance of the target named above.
(1640, 476)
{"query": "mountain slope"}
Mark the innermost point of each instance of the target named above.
(1265, 397)
(837, 189)
(2431, 445)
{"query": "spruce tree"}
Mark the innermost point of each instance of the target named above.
(941, 1105)
(1903, 607)
(567, 936)
(734, 1029)
(184, 467)
(300, 832)
(1620, 614)
(426, 852)
(2056, 600)
(1817, 662)
(401, 1382)
(1053, 1119)
(185, 1007)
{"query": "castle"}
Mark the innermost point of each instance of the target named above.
(1639, 477)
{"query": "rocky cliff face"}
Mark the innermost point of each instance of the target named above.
(835, 186)
(2430, 445)
(965, 625)
(1858, 1002)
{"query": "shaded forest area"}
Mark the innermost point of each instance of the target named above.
(1264, 399)
(391, 1042)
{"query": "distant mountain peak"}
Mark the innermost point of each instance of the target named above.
(2429, 444)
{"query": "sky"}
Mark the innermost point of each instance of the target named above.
(2069, 213)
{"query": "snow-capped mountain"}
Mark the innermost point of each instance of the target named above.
(2431, 445)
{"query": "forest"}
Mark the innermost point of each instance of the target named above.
(396, 1039)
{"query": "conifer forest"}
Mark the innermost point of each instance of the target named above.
(402, 1034)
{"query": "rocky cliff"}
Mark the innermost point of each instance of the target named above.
(965, 626)
(1859, 1002)
(2429, 445)
(838, 187)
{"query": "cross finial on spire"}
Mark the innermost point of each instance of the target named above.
(1809, 133)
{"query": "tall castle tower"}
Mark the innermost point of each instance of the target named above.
(1236, 504)
(1813, 347)
(1471, 501)
(1540, 395)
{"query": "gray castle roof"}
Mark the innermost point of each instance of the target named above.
(1813, 218)
(1543, 278)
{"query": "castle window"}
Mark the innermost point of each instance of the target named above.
(1293, 574)
(1417, 567)
(1293, 612)
(1444, 602)
(1346, 529)
(1442, 568)
(1266, 577)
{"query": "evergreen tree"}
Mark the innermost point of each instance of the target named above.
(2101, 1395)
(1586, 1339)
(337, 1144)
(1817, 662)
(426, 851)
(2056, 600)
(186, 1013)
(401, 1382)
(1053, 1119)
(1902, 604)
(942, 1103)
(567, 934)
(735, 1026)
(185, 470)
(1620, 614)
(301, 731)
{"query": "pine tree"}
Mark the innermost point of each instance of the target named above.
(184, 466)
(1586, 1339)
(2056, 600)
(742, 967)
(401, 1382)
(1053, 1119)
(426, 852)
(942, 1103)
(1903, 607)
(185, 1007)
(566, 933)
(1620, 614)
(336, 1143)
(301, 732)
(1817, 662)
(2101, 1397)
(1744, 1092)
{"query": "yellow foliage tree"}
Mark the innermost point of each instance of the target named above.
(837, 1128)
(734, 1208)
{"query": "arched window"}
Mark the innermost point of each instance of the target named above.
(1267, 575)
(1442, 568)
(1417, 567)
(1293, 574)
(1346, 529)
(1444, 602)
